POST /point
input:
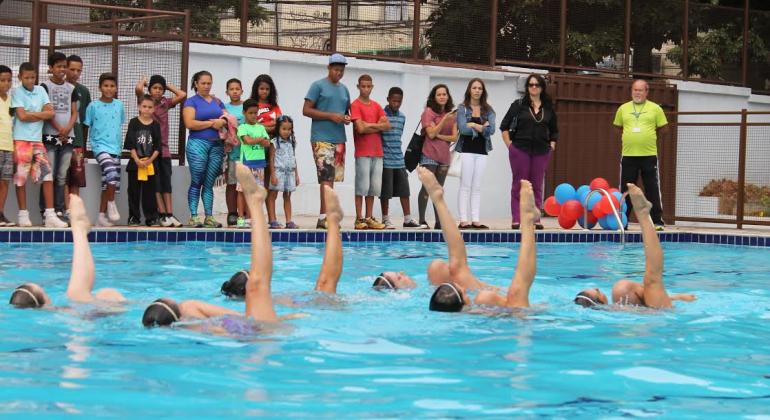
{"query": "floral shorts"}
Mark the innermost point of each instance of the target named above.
(329, 161)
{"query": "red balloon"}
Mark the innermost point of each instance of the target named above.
(598, 183)
(565, 222)
(605, 207)
(597, 211)
(552, 207)
(571, 209)
(612, 190)
(592, 220)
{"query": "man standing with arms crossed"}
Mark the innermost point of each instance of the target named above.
(640, 123)
(327, 103)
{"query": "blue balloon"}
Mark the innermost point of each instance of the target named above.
(624, 207)
(595, 198)
(581, 222)
(564, 192)
(582, 193)
(612, 222)
(604, 222)
(617, 195)
(624, 219)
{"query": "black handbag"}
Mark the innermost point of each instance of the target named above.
(413, 151)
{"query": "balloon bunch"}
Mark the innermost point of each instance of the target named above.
(567, 203)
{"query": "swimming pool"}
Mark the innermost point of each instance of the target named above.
(384, 354)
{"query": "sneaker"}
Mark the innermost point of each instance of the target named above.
(155, 222)
(5, 222)
(53, 221)
(133, 221)
(411, 223)
(194, 221)
(211, 222)
(240, 223)
(112, 211)
(24, 218)
(291, 225)
(65, 217)
(423, 225)
(373, 223)
(166, 222)
(103, 221)
(360, 224)
(388, 224)
(321, 224)
(232, 219)
(174, 221)
(275, 225)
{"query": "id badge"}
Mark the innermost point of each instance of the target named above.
(637, 129)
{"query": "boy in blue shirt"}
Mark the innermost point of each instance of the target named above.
(395, 180)
(104, 119)
(32, 107)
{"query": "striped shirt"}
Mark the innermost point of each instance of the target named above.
(391, 140)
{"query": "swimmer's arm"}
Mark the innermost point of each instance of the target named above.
(293, 316)
(198, 309)
(684, 297)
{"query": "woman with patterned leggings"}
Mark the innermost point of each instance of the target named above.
(202, 115)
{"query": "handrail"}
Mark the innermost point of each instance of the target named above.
(614, 211)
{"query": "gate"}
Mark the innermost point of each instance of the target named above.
(589, 147)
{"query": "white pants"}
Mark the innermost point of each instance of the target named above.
(470, 186)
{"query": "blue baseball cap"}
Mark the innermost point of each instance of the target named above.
(338, 58)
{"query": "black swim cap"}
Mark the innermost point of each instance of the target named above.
(584, 300)
(382, 283)
(446, 298)
(26, 296)
(236, 286)
(161, 313)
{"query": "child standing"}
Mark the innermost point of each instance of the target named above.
(157, 87)
(6, 140)
(32, 107)
(283, 171)
(235, 203)
(254, 140)
(143, 140)
(104, 119)
(76, 176)
(370, 120)
(395, 180)
(58, 132)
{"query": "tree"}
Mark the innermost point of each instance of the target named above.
(204, 15)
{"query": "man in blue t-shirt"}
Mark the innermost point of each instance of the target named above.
(328, 103)
(395, 180)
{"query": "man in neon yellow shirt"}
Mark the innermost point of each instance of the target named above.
(640, 123)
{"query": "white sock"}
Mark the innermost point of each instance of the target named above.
(322, 216)
(407, 217)
(49, 212)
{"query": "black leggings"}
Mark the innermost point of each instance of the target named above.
(646, 166)
(422, 199)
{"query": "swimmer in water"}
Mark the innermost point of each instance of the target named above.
(454, 278)
(259, 302)
(81, 284)
(331, 267)
(652, 292)
(393, 280)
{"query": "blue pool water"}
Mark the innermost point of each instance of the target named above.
(384, 354)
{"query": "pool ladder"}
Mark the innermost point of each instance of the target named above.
(615, 213)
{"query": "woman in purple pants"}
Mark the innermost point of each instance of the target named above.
(530, 132)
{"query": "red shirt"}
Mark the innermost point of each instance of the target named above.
(268, 113)
(367, 145)
(436, 149)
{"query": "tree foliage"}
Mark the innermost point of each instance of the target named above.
(205, 16)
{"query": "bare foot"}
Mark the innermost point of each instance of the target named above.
(78, 217)
(249, 183)
(685, 297)
(333, 209)
(640, 203)
(529, 212)
(430, 183)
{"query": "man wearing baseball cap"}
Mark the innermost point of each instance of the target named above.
(327, 103)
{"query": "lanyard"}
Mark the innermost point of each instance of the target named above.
(636, 113)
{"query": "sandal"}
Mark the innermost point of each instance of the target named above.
(515, 226)
(275, 225)
(464, 227)
(479, 226)
(539, 226)
(291, 225)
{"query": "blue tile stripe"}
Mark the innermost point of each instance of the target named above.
(16, 235)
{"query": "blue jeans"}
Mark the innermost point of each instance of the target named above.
(59, 157)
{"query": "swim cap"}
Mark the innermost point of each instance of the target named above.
(382, 283)
(161, 313)
(236, 286)
(446, 298)
(584, 300)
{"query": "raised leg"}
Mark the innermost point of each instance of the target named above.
(83, 270)
(518, 291)
(655, 295)
(259, 299)
(331, 268)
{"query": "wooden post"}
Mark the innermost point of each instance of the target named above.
(745, 64)
(183, 83)
(686, 41)
(492, 32)
(34, 36)
(416, 31)
(742, 169)
(245, 21)
(563, 36)
(627, 39)
(335, 20)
